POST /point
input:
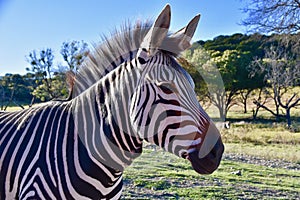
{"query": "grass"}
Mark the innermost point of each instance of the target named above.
(289, 153)
(267, 140)
(260, 133)
(160, 175)
(15, 108)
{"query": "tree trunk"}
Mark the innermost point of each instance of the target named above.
(288, 117)
(255, 112)
(2, 98)
(245, 107)
(245, 96)
(223, 114)
(32, 101)
(16, 103)
(10, 99)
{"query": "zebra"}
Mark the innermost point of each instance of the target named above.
(79, 148)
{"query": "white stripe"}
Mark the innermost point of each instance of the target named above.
(38, 191)
(60, 188)
(180, 132)
(29, 195)
(71, 189)
(94, 132)
(16, 121)
(48, 161)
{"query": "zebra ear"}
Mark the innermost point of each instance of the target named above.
(157, 33)
(184, 36)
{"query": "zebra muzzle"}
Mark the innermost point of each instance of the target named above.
(209, 163)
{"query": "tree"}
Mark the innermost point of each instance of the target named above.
(242, 82)
(191, 61)
(260, 100)
(74, 53)
(14, 90)
(217, 70)
(50, 80)
(282, 73)
(249, 47)
(227, 63)
(245, 47)
(2, 96)
(43, 69)
(277, 16)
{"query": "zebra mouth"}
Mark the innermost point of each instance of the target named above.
(210, 162)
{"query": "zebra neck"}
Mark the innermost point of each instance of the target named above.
(101, 116)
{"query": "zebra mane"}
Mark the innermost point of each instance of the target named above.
(121, 46)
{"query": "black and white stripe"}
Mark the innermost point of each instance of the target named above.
(42, 157)
(78, 149)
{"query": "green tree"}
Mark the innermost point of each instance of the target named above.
(231, 66)
(50, 81)
(43, 69)
(191, 60)
(14, 90)
(74, 53)
(216, 69)
(226, 63)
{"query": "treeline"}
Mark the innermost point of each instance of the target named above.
(44, 80)
(230, 69)
(227, 70)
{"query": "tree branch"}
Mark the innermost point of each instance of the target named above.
(266, 108)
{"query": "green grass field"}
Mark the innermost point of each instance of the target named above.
(160, 175)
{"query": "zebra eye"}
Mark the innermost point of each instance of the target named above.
(141, 60)
(168, 88)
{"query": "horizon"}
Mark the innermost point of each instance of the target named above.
(63, 21)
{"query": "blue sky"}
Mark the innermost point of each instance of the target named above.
(27, 25)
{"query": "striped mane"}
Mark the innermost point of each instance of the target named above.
(120, 47)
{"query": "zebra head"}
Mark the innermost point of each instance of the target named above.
(164, 109)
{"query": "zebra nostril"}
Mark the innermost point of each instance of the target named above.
(213, 153)
(210, 162)
(218, 150)
(184, 155)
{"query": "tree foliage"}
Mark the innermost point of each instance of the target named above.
(74, 53)
(43, 70)
(223, 75)
(232, 56)
(15, 89)
(50, 79)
